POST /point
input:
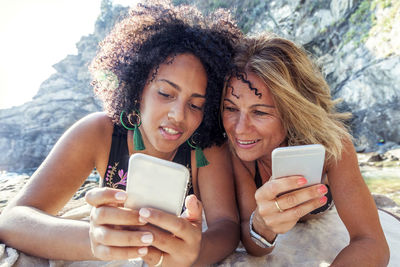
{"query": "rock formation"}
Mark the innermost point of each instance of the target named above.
(28, 132)
(355, 42)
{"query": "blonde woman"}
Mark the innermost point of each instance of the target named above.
(276, 97)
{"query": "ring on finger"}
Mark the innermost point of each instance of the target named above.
(160, 261)
(277, 205)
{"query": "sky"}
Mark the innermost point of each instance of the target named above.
(34, 35)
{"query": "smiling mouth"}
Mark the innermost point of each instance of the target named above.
(246, 142)
(170, 134)
(170, 130)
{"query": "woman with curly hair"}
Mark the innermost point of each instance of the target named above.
(276, 97)
(160, 74)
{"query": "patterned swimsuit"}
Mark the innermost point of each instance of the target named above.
(117, 168)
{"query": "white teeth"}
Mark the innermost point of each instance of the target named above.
(170, 131)
(246, 142)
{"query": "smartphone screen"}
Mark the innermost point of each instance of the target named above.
(306, 160)
(156, 183)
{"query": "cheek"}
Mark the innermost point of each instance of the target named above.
(228, 121)
(275, 131)
(279, 129)
(195, 120)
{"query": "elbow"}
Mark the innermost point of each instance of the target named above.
(386, 254)
(3, 229)
(8, 226)
(254, 250)
(376, 250)
(381, 251)
(235, 236)
(382, 255)
(259, 252)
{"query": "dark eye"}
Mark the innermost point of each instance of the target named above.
(195, 107)
(230, 109)
(164, 94)
(260, 113)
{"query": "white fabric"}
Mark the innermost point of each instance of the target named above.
(314, 243)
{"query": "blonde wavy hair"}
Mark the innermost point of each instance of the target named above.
(301, 94)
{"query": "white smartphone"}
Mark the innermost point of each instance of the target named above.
(307, 160)
(156, 183)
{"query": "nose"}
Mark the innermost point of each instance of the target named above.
(177, 112)
(242, 124)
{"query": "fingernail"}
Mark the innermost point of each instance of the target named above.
(147, 238)
(323, 199)
(142, 251)
(120, 195)
(322, 189)
(193, 199)
(144, 212)
(302, 181)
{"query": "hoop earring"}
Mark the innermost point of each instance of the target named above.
(137, 136)
(201, 159)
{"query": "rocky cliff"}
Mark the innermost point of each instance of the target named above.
(28, 132)
(356, 43)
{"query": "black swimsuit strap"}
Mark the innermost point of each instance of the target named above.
(118, 159)
(257, 177)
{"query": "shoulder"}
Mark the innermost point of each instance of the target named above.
(95, 121)
(216, 151)
(218, 158)
(93, 132)
(344, 174)
(348, 157)
(91, 127)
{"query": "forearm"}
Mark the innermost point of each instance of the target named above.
(39, 234)
(251, 247)
(363, 252)
(218, 242)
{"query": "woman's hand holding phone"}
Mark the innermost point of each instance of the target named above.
(282, 202)
(109, 222)
(179, 238)
(117, 232)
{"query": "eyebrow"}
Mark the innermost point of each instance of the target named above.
(177, 87)
(253, 106)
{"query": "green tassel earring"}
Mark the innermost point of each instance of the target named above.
(201, 159)
(137, 136)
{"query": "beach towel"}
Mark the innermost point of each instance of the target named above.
(313, 243)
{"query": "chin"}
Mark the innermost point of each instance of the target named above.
(167, 147)
(246, 156)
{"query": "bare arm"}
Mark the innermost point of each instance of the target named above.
(29, 223)
(37, 233)
(217, 194)
(245, 191)
(268, 221)
(356, 208)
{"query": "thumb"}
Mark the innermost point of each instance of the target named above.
(194, 209)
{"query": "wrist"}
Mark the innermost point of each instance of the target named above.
(265, 240)
(261, 228)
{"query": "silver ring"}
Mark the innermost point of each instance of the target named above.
(277, 205)
(160, 261)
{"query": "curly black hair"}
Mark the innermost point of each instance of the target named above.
(150, 34)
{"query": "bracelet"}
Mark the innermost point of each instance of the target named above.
(258, 239)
